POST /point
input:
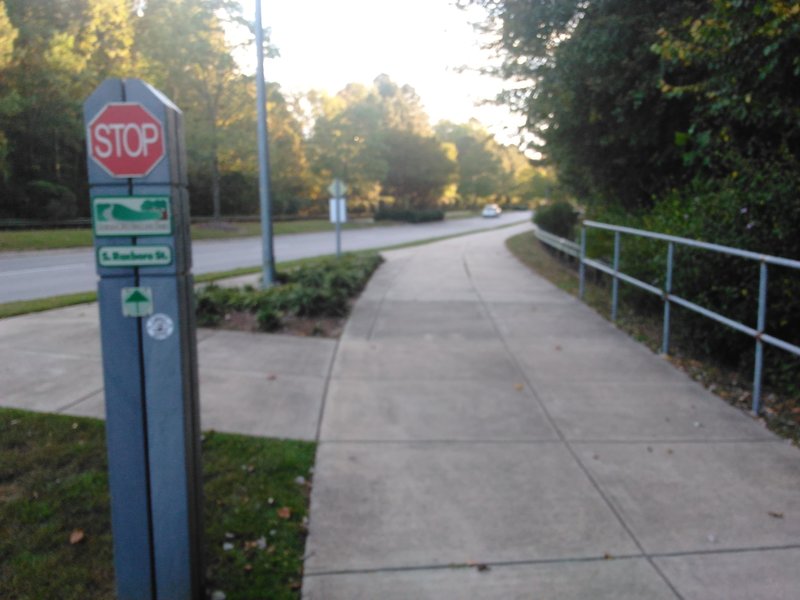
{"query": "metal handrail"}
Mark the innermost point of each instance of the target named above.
(758, 333)
(556, 242)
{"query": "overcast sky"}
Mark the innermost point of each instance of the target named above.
(326, 44)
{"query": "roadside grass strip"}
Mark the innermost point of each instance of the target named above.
(55, 537)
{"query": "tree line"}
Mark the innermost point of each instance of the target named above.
(377, 137)
(680, 116)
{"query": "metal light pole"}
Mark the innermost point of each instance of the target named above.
(263, 158)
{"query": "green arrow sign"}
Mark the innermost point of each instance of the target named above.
(137, 301)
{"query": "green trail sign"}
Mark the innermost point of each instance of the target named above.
(137, 301)
(134, 256)
(125, 216)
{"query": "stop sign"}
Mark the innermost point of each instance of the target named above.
(126, 139)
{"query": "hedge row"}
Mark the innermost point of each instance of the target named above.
(319, 289)
(409, 215)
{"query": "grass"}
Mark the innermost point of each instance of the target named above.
(22, 307)
(54, 483)
(781, 411)
(52, 239)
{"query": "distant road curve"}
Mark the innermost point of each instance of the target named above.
(29, 275)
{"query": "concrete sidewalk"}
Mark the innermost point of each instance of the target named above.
(485, 435)
(265, 385)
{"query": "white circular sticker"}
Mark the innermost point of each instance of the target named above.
(160, 326)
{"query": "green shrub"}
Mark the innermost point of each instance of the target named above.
(269, 319)
(754, 208)
(558, 218)
(409, 215)
(319, 289)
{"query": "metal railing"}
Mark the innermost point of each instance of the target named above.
(557, 243)
(758, 333)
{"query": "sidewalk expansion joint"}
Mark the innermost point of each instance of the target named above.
(79, 400)
(453, 442)
(551, 561)
(326, 387)
(657, 442)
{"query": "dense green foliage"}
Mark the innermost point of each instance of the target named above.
(677, 116)
(558, 218)
(409, 215)
(377, 138)
(322, 288)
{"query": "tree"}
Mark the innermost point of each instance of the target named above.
(62, 48)
(187, 55)
(8, 33)
(352, 131)
(591, 91)
(739, 64)
(419, 169)
(479, 166)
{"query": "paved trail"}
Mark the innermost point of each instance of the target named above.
(476, 415)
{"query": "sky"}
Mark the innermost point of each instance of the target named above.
(326, 44)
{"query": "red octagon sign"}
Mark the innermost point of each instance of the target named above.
(126, 139)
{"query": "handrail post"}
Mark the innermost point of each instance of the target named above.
(582, 266)
(667, 292)
(615, 279)
(761, 325)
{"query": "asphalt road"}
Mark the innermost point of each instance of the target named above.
(29, 275)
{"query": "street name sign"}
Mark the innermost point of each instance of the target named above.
(125, 216)
(134, 256)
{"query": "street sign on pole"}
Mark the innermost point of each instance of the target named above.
(338, 210)
(337, 188)
(136, 161)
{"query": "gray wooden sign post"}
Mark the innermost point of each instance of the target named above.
(140, 213)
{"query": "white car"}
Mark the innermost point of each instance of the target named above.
(491, 210)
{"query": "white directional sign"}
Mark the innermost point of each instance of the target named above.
(338, 210)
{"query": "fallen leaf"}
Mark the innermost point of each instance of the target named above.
(295, 585)
(77, 536)
(649, 448)
(607, 556)
(248, 567)
(519, 387)
(285, 512)
(477, 565)
(251, 545)
(271, 377)
(775, 515)
(558, 348)
(669, 450)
